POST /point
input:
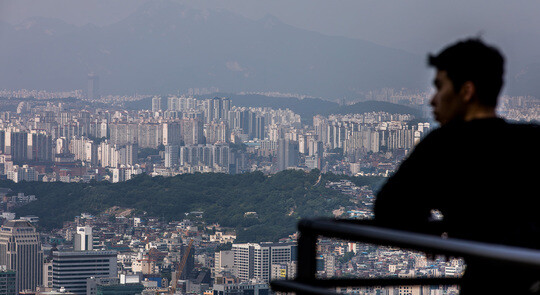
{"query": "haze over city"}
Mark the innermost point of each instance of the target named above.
(236, 60)
(194, 146)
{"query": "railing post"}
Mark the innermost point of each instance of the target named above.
(306, 282)
(307, 251)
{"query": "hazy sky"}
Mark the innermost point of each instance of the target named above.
(415, 25)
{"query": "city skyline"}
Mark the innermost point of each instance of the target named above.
(181, 147)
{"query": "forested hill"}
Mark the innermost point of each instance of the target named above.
(279, 200)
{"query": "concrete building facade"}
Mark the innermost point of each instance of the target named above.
(20, 251)
(72, 268)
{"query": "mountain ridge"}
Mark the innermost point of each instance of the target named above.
(165, 47)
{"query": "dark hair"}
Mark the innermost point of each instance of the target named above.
(473, 60)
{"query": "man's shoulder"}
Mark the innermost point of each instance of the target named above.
(483, 126)
(438, 136)
(524, 127)
(459, 135)
(525, 133)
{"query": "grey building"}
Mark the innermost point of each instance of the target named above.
(20, 251)
(255, 260)
(288, 154)
(158, 104)
(72, 269)
(7, 282)
(114, 286)
(171, 155)
(83, 239)
(242, 289)
(18, 146)
(93, 87)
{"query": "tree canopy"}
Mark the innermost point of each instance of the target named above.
(279, 200)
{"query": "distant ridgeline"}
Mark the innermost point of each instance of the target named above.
(309, 107)
(306, 108)
(279, 200)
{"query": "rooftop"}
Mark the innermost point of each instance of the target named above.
(18, 223)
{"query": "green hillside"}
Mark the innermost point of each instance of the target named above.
(279, 200)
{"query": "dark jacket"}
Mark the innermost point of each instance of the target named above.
(483, 175)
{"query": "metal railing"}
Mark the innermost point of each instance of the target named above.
(306, 281)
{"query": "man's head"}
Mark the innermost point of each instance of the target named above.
(469, 79)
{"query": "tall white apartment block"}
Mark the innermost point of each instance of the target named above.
(83, 239)
(254, 260)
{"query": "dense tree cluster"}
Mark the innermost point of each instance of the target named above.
(279, 200)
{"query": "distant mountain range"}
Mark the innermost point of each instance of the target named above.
(309, 107)
(165, 47)
(526, 82)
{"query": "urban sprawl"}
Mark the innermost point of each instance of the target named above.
(71, 137)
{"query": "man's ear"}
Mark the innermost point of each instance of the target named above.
(468, 91)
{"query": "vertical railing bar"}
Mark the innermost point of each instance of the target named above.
(307, 251)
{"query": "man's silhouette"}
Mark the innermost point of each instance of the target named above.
(478, 170)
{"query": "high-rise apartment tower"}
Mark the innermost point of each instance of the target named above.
(20, 250)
